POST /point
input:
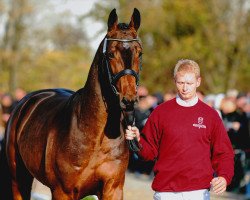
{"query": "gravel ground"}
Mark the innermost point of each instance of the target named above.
(140, 188)
(136, 187)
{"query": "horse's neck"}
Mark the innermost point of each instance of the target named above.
(91, 101)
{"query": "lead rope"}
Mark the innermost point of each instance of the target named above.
(134, 144)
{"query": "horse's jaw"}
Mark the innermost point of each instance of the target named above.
(129, 118)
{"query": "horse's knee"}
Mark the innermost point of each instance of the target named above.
(115, 194)
(118, 194)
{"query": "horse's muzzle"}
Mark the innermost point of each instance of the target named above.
(127, 105)
(128, 111)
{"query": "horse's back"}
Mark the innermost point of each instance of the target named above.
(32, 123)
(41, 107)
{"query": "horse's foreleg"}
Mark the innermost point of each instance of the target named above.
(116, 194)
(113, 190)
(59, 194)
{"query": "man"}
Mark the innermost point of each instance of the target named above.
(188, 141)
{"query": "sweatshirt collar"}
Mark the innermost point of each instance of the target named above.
(190, 103)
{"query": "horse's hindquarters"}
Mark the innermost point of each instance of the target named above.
(32, 121)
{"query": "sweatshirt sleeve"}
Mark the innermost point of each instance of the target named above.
(149, 139)
(222, 154)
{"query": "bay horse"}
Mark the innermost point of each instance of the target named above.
(73, 142)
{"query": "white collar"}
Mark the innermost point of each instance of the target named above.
(190, 103)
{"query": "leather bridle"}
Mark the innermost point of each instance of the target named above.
(113, 78)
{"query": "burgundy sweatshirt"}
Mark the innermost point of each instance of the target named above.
(189, 144)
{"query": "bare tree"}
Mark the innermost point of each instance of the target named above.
(13, 33)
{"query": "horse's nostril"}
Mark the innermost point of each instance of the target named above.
(125, 101)
(129, 105)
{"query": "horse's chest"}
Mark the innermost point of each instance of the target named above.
(104, 167)
(93, 168)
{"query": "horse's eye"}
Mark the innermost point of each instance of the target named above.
(110, 55)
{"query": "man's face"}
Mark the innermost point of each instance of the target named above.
(186, 84)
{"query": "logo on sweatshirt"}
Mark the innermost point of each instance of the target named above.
(200, 123)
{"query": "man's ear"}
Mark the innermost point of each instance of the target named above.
(174, 80)
(198, 81)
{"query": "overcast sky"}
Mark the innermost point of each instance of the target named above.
(78, 8)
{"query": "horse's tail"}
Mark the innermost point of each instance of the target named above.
(5, 176)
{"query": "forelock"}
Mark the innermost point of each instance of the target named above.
(123, 26)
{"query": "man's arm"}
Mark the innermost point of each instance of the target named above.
(222, 158)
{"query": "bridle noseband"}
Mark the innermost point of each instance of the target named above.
(113, 78)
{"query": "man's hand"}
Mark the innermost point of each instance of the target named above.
(218, 185)
(132, 132)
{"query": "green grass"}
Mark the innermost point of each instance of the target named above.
(89, 198)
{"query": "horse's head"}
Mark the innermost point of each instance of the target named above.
(122, 54)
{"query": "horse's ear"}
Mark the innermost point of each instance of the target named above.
(135, 19)
(113, 19)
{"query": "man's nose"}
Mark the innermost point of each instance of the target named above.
(184, 86)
